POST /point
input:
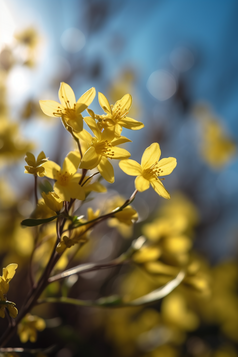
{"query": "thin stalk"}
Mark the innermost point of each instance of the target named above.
(78, 143)
(35, 189)
(105, 216)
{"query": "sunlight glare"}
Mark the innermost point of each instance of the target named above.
(7, 26)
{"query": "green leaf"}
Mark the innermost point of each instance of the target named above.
(112, 300)
(31, 222)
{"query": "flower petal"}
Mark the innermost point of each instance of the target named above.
(119, 141)
(106, 170)
(160, 189)
(51, 108)
(150, 156)
(76, 191)
(123, 105)
(73, 190)
(62, 192)
(141, 183)
(95, 186)
(87, 98)
(51, 169)
(71, 162)
(76, 124)
(117, 130)
(93, 126)
(166, 165)
(85, 136)
(9, 271)
(30, 159)
(90, 159)
(130, 123)
(66, 95)
(119, 153)
(177, 244)
(104, 103)
(130, 167)
(41, 158)
(80, 107)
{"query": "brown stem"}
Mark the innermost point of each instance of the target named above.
(78, 143)
(35, 189)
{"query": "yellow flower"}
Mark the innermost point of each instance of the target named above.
(8, 274)
(216, 147)
(67, 180)
(53, 201)
(150, 170)
(27, 329)
(42, 210)
(122, 220)
(101, 148)
(175, 311)
(28, 37)
(68, 110)
(13, 145)
(116, 115)
(35, 165)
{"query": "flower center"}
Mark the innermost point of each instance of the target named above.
(118, 113)
(104, 148)
(105, 122)
(68, 112)
(63, 178)
(152, 172)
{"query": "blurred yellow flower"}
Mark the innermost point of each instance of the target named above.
(69, 110)
(53, 201)
(8, 274)
(28, 327)
(123, 220)
(176, 311)
(35, 165)
(216, 147)
(42, 210)
(150, 170)
(28, 37)
(13, 146)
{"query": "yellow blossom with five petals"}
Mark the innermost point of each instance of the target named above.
(100, 149)
(115, 117)
(150, 169)
(69, 110)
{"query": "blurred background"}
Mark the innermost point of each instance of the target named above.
(178, 60)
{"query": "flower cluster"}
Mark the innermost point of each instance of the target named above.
(103, 146)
